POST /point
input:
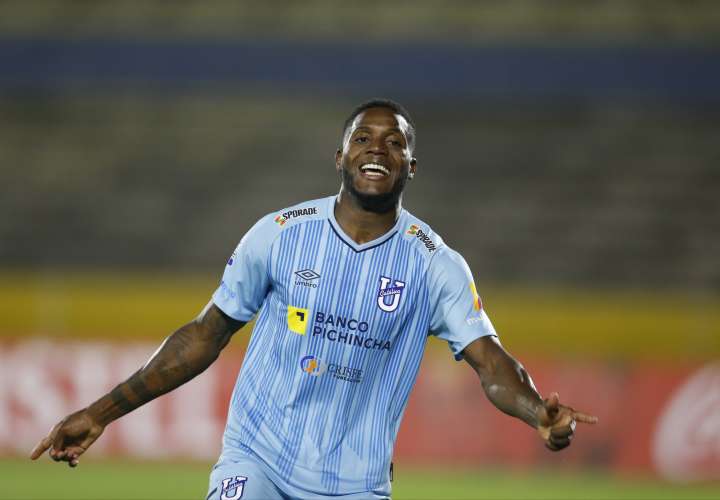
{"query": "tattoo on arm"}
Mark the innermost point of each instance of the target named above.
(183, 355)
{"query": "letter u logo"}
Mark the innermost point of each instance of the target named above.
(232, 488)
(388, 298)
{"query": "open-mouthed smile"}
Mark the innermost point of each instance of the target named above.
(374, 171)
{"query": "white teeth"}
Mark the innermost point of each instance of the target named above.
(374, 167)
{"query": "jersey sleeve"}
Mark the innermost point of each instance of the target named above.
(246, 280)
(458, 316)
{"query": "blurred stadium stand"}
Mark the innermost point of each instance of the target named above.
(601, 20)
(587, 193)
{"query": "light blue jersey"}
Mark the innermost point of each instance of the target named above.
(338, 342)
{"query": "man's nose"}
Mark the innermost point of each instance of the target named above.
(378, 146)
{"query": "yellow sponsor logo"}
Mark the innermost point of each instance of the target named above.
(297, 319)
(477, 303)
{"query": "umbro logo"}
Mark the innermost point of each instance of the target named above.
(306, 277)
(308, 274)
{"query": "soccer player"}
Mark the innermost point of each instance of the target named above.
(346, 290)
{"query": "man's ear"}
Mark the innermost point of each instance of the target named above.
(338, 158)
(413, 167)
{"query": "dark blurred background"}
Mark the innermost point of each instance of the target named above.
(570, 150)
(564, 142)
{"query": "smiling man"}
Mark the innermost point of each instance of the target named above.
(346, 290)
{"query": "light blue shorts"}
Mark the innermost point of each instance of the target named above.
(245, 478)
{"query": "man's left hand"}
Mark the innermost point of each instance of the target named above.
(556, 422)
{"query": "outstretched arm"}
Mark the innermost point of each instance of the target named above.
(183, 355)
(509, 387)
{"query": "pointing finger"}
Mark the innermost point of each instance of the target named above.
(40, 448)
(44, 443)
(584, 418)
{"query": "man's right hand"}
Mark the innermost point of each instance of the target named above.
(184, 354)
(69, 438)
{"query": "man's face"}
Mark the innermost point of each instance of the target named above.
(375, 159)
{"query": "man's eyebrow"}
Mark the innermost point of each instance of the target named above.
(367, 129)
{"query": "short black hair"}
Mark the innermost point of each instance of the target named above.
(394, 106)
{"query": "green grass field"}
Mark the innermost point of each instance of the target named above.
(128, 480)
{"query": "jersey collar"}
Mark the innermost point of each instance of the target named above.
(349, 241)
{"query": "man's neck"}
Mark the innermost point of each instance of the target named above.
(361, 225)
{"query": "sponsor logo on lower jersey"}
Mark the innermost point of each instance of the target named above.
(232, 488)
(315, 367)
(346, 373)
(312, 366)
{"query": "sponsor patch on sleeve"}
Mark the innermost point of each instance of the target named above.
(414, 230)
(282, 218)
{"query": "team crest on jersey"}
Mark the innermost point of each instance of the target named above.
(388, 298)
(232, 488)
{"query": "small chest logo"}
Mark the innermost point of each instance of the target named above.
(232, 488)
(388, 298)
(307, 277)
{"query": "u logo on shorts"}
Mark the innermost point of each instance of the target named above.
(232, 488)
